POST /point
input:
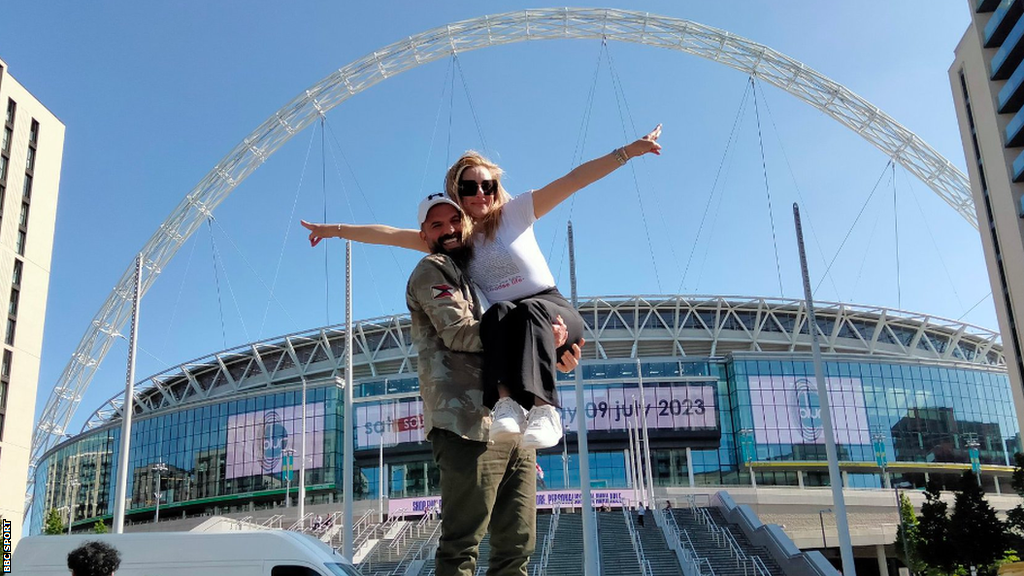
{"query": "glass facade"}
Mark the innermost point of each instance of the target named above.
(232, 454)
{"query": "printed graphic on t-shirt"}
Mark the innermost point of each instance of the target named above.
(494, 267)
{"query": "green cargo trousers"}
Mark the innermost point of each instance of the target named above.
(485, 487)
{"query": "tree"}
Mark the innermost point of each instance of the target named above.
(933, 546)
(100, 528)
(907, 537)
(53, 524)
(975, 532)
(1015, 517)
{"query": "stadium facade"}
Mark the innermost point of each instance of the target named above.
(728, 385)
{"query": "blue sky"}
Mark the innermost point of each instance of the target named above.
(155, 94)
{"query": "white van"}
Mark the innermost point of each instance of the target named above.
(256, 553)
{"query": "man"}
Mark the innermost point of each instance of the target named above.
(94, 559)
(484, 485)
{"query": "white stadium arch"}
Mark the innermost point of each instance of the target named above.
(734, 51)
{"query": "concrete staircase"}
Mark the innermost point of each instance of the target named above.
(567, 555)
(721, 557)
(390, 553)
(484, 551)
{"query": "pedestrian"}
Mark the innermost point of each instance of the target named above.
(508, 266)
(640, 515)
(94, 559)
(668, 505)
(485, 485)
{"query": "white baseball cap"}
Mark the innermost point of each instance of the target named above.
(431, 201)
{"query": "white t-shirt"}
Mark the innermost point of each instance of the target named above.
(511, 266)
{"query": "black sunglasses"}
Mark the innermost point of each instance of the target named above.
(469, 187)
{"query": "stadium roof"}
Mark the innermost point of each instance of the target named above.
(617, 327)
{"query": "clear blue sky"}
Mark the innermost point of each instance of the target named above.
(155, 94)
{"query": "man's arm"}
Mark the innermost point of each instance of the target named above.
(436, 288)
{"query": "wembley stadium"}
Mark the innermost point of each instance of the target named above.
(726, 383)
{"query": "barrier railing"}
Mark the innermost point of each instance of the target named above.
(751, 563)
(273, 522)
(541, 568)
(638, 549)
(300, 524)
(680, 543)
(420, 552)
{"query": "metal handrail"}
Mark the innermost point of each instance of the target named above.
(398, 539)
(300, 524)
(415, 551)
(273, 521)
(678, 536)
(638, 549)
(541, 568)
(759, 568)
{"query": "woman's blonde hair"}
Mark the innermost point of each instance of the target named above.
(488, 225)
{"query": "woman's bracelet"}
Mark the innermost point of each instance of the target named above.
(620, 156)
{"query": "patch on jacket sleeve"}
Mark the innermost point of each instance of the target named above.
(441, 291)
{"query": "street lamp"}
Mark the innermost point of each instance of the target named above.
(747, 447)
(287, 465)
(157, 493)
(971, 440)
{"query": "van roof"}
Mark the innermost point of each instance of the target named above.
(46, 551)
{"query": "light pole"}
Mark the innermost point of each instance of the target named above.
(159, 467)
(288, 465)
(975, 456)
(747, 448)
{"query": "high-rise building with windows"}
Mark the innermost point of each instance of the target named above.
(987, 78)
(30, 159)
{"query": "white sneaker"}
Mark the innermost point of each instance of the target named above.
(543, 428)
(508, 420)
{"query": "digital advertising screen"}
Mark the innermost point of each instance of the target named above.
(256, 441)
(787, 410)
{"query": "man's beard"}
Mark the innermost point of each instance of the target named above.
(461, 255)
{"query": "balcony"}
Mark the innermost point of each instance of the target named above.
(982, 6)
(1015, 130)
(1010, 54)
(1018, 168)
(1011, 95)
(1002, 21)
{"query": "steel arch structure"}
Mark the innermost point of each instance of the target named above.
(734, 51)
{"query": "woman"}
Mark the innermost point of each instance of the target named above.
(509, 268)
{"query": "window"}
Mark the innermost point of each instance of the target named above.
(3, 394)
(12, 308)
(9, 338)
(1, 426)
(16, 277)
(5, 367)
(33, 133)
(23, 221)
(7, 140)
(3, 168)
(11, 108)
(26, 191)
(21, 243)
(30, 159)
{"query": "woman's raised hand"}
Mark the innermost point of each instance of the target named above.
(645, 145)
(318, 232)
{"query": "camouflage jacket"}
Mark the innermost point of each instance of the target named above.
(446, 332)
